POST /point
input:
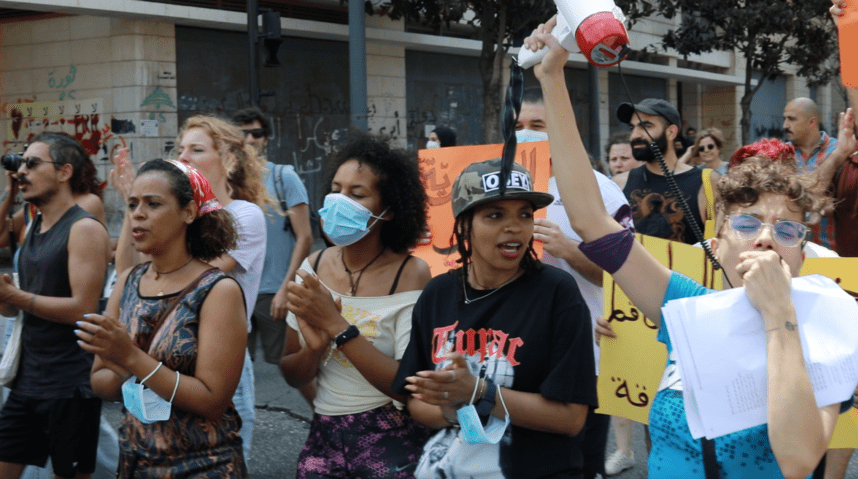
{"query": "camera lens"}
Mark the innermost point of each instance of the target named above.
(11, 161)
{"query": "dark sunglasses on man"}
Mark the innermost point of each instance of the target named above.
(702, 148)
(256, 132)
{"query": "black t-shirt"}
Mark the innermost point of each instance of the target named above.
(532, 335)
(52, 363)
(656, 210)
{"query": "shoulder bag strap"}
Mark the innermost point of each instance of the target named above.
(175, 302)
(709, 230)
(278, 186)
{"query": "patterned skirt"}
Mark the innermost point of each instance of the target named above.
(380, 443)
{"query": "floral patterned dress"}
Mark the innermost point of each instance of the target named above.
(186, 445)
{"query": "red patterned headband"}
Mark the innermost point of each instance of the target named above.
(204, 198)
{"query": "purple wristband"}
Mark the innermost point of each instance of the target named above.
(610, 251)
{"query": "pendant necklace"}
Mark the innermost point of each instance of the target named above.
(158, 274)
(465, 291)
(353, 282)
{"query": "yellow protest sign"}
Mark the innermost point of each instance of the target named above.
(438, 170)
(844, 271)
(632, 364)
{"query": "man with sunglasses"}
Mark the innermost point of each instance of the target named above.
(52, 410)
(655, 208)
(289, 239)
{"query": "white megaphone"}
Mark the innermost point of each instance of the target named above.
(593, 27)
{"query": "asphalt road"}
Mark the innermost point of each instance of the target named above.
(283, 422)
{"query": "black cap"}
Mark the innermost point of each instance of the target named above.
(650, 106)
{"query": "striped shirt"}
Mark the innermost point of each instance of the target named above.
(822, 233)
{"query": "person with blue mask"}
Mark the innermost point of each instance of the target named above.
(349, 318)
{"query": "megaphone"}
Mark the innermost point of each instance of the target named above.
(593, 27)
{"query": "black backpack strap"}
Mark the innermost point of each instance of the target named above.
(398, 274)
(710, 461)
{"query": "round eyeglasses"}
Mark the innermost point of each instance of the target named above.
(786, 233)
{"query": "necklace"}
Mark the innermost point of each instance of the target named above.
(158, 274)
(465, 290)
(353, 283)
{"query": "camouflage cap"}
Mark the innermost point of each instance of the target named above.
(479, 183)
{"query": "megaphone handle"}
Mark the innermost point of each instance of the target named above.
(528, 58)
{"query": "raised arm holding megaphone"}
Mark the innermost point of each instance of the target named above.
(593, 27)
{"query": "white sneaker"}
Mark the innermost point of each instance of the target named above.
(619, 462)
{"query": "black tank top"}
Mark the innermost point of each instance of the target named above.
(52, 364)
(655, 209)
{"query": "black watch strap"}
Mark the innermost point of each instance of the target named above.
(350, 333)
(487, 401)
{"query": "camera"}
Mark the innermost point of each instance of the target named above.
(12, 161)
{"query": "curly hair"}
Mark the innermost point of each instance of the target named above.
(398, 183)
(744, 183)
(65, 149)
(211, 234)
(244, 169)
(774, 149)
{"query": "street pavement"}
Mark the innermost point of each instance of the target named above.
(283, 422)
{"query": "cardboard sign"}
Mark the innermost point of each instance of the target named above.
(631, 365)
(438, 170)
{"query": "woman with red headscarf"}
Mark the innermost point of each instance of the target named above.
(175, 354)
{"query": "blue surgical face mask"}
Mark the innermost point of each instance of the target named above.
(345, 220)
(144, 404)
(472, 427)
(431, 145)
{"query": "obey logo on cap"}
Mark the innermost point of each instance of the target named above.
(516, 180)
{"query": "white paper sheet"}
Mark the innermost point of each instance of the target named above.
(720, 343)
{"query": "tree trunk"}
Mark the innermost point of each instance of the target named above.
(748, 97)
(491, 69)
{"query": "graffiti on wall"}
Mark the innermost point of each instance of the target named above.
(83, 119)
(63, 82)
(157, 99)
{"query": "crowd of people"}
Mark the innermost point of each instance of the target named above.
(488, 370)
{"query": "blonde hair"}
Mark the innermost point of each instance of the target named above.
(243, 166)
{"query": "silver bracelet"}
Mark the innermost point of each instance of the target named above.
(176, 387)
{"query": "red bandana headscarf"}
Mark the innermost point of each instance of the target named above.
(204, 198)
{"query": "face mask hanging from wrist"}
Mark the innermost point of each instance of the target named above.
(345, 220)
(472, 428)
(143, 403)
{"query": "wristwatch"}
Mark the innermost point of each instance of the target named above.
(350, 333)
(486, 402)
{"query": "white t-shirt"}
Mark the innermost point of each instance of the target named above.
(249, 253)
(614, 198)
(383, 320)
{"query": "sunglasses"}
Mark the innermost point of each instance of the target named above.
(786, 233)
(702, 148)
(34, 161)
(256, 132)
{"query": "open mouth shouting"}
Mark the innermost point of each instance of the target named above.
(510, 250)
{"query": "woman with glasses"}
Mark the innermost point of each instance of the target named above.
(760, 231)
(706, 151)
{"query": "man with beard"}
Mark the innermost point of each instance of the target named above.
(655, 208)
(812, 148)
(52, 410)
